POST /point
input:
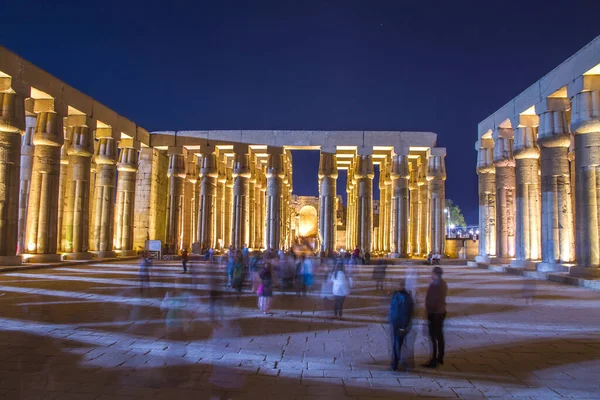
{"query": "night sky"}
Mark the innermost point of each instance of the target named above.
(439, 66)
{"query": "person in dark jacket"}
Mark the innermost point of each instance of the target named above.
(435, 304)
(400, 318)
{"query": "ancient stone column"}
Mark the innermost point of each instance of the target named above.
(25, 179)
(62, 186)
(42, 210)
(252, 204)
(76, 214)
(275, 174)
(101, 237)
(328, 174)
(287, 199)
(486, 172)
(436, 177)
(176, 174)
(387, 221)
(413, 189)
(554, 139)
(400, 204)
(228, 204)
(364, 176)
(241, 175)
(220, 202)
(127, 167)
(208, 191)
(191, 207)
(350, 209)
(259, 197)
(424, 217)
(585, 125)
(528, 201)
(12, 125)
(505, 194)
(382, 208)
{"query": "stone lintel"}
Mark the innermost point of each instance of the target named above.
(106, 132)
(529, 120)
(584, 83)
(129, 144)
(80, 120)
(176, 150)
(273, 150)
(8, 84)
(551, 104)
(506, 133)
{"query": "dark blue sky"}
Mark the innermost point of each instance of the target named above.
(403, 65)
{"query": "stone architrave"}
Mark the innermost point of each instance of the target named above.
(328, 174)
(101, 236)
(436, 177)
(42, 209)
(486, 172)
(275, 174)
(400, 204)
(364, 174)
(25, 179)
(585, 125)
(12, 125)
(176, 174)
(241, 175)
(554, 139)
(505, 193)
(76, 209)
(127, 167)
(208, 191)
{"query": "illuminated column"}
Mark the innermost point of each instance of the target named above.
(275, 175)
(558, 239)
(228, 204)
(287, 211)
(176, 174)
(585, 125)
(413, 189)
(127, 167)
(12, 125)
(208, 190)
(436, 176)
(328, 174)
(76, 215)
(424, 215)
(486, 172)
(25, 179)
(191, 206)
(241, 175)
(387, 221)
(62, 186)
(382, 207)
(364, 176)
(252, 203)
(42, 209)
(400, 206)
(350, 208)
(259, 205)
(220, 199)
(528, 201)
(505, 193)
(101, 237)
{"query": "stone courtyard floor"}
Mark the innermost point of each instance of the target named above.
(86, 332)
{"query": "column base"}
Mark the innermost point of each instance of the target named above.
(104, 254)
(126, 253)
(522, 264)
(500, 260)
(482, 259)
(42, 258)
(551, 267)
(10, 260)
(84, 255)
(585, 272)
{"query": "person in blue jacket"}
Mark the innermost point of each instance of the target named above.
(400, 318)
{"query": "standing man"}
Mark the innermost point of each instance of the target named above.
(184, 259)
(400, 318)
(435, 304)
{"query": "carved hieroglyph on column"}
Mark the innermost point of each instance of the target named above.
(77, 202)
(101, 237)
(558, 239)
(127, 167)
(62, 186)
(528, 245)
(176, 175)
(364, 176)
(275, 174)
(42, 210)
(328, 174)
(413, 189)
(241, 175)
(585, 125)
(220, 200)
(12, 125)
(228, 203)
(436, 177)
(208, 191)
(286, 214)
(400, 209)
(505, 193)
(486, 172)
(25, 179)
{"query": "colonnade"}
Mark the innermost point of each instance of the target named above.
(538, 185)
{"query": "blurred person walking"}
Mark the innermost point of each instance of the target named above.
(265, 290)
(184, 259)
(400, 318)
(435, 305)
(340, 289)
